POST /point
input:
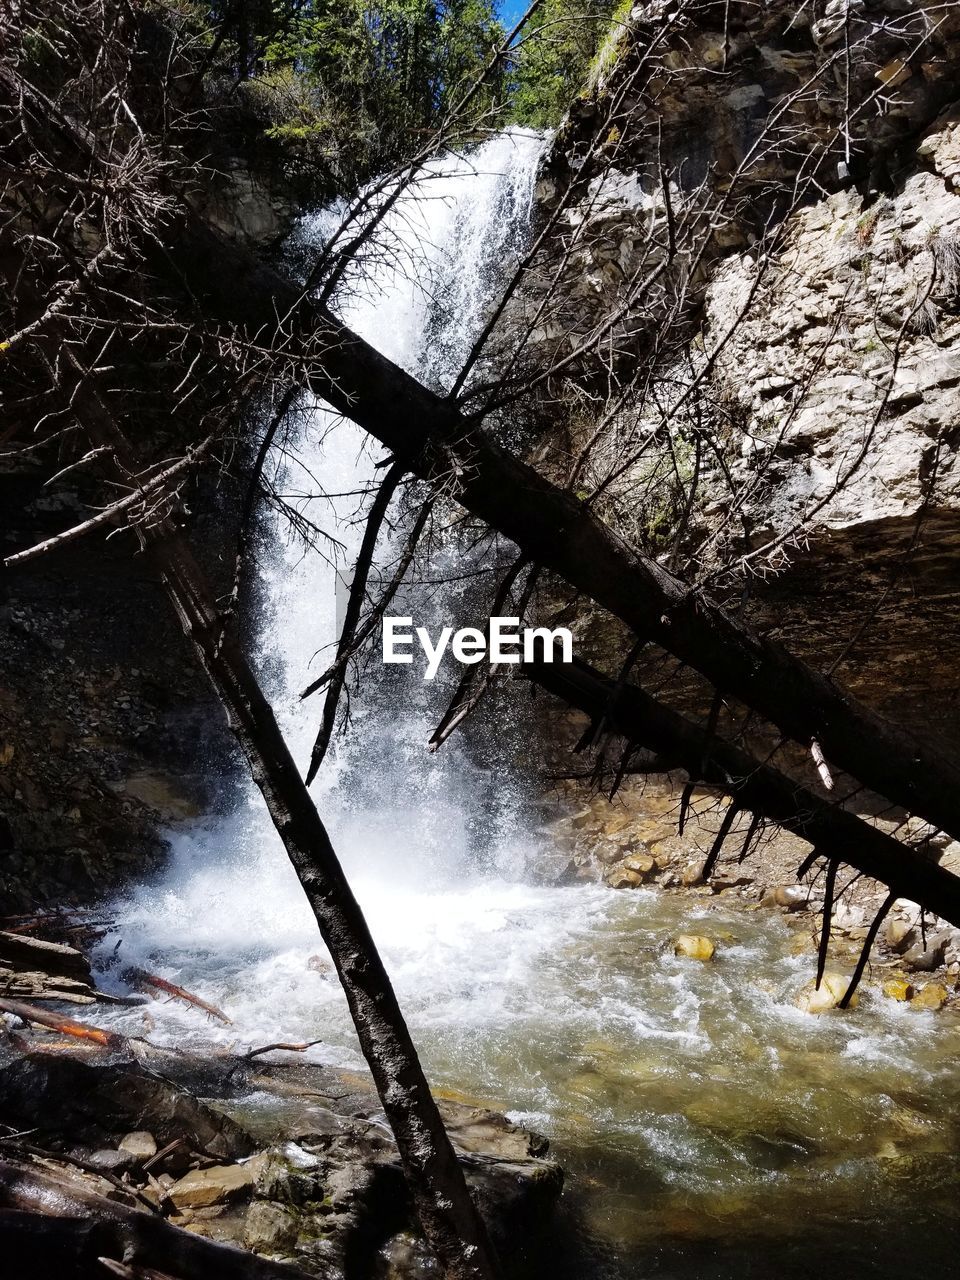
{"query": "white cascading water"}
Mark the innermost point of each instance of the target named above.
(678, 1088)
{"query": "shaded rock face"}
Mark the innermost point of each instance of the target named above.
(107, 730)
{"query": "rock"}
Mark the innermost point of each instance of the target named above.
(899, 989)
(219, 1184)
(926, 960)
(642, 863)
(832, 990)
(631, 871)
(933, 995)
(103, 1100)
(693, 947)
(107, 1160)
(269, 1228)
(900, 935)
(692, 874)
(140, 1144)
(620, 878)
(792, 897)
(22, 952)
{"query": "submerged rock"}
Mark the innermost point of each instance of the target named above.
(693, 947)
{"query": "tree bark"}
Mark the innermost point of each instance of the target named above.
(450, 1219)
(834, 832)
(435, 441)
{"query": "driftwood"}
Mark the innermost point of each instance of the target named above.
(140, 977)
(109, 1039)
(834, 832)
(105, 1228)
(18, 951)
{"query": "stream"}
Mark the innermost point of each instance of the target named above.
(708, 1127)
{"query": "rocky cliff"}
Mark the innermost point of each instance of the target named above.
(756, 219)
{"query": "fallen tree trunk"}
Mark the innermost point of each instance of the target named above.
(834, 833)
(98, 1227)
(555, 529)
(450, 1219)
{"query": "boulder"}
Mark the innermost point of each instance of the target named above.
(832, 990)
(899, 989)
(220, 1184)
(792, 897)
(621, 878)
(643, 863)
(140, 1144)
(933, 995)
(900, 935)
(692, 874)
(269, 1228)
(693, 947)
(925, 959)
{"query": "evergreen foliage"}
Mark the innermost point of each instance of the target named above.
(560, 47)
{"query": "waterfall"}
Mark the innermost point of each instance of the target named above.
(435, 844)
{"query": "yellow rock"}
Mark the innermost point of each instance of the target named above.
(642, 863)
(899, 989)
(832, 990)
(931, 996)
(693, 947)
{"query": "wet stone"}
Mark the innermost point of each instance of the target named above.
(217, 1185)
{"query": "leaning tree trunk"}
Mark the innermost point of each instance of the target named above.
(438, 442)
(450, 1219)
(835, 833)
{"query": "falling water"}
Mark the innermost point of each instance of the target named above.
(711, 1128)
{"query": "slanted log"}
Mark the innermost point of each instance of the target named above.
(436, 440)
(834, 832)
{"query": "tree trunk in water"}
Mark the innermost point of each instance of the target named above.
(450, 1220)
(833, 832)
(554, 529)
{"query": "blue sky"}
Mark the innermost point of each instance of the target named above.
(511, 11)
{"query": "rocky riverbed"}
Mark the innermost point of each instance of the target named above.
(289, 1160)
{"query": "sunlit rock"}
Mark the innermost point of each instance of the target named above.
(831, 991)
(216, 1185)
(693, 947)
(931, 996)
(899, 989)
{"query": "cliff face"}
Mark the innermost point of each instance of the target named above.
(784, 181)
(107, 732)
